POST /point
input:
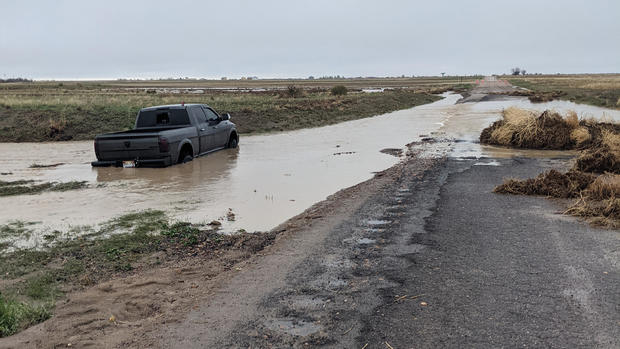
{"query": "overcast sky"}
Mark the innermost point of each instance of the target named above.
(127, 39)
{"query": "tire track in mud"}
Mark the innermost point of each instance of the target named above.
(353, 273)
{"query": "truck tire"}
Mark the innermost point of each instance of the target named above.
(232, 143)
(187, 158)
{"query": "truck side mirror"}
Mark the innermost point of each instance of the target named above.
(225, 117)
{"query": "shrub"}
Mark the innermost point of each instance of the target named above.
(339, 90)
(294, 91)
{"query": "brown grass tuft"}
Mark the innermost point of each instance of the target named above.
(523, 129)
(551, 183)
(572, 119)
(605, 187)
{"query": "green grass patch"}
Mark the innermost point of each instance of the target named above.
(15, 315)
(16, 228)
(22, 187)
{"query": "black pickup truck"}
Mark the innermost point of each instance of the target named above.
(166, 135)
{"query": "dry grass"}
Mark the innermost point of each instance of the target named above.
(522, 128)
(606, 186)
(551, 183)
(598, 197)
(596, 89)
(598, 200)
(603, 157)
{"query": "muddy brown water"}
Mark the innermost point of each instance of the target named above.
(267, 180)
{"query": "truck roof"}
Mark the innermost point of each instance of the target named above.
(172, 106)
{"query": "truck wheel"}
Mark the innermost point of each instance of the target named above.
(187, 158)
(232, 143)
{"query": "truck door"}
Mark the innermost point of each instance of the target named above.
(205, 133)
(220, 131)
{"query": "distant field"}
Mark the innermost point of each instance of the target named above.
(602, 90)
(52, 111)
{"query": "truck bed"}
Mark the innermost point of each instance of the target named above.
(141, 145)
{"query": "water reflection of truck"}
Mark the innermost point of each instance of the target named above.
(166, 135)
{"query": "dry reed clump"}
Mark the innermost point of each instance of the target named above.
(600, 202)
(598, 197)
(551, 183)
(523, 129)
(602, 158)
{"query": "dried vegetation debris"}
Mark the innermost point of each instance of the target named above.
(520, 128)
(595, 176)
(551, 183)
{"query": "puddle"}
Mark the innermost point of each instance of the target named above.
(490, 163)
(267, 180)
(366, 241)
(293, 327)
(377, 222)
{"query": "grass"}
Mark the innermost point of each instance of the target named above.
(34, 280)
(21, 187)
(15, 315)
(595, 176)
(521, 128)
(44, 111)
(16, 228)
(601, 90)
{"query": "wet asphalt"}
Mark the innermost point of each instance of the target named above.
(439, 261)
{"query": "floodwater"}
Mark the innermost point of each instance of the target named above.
(265, 181)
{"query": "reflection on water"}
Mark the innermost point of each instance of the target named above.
(267, 180)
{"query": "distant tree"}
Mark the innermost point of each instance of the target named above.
(523, 71)
(516, 71)
(310, 77)
(443, 74)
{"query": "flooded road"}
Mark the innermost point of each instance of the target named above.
(267, 180)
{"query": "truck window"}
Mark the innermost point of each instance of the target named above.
(198, 114)
(211, 116)
(162, 117)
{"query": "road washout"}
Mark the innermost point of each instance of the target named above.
(269, 179)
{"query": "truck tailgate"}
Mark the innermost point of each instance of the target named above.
(128, 147)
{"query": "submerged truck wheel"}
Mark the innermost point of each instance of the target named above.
(232, 143)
